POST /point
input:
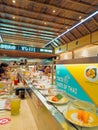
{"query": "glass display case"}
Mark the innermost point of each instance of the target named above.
(54, 113)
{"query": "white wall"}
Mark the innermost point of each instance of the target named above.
(67, 55)
(86, 52)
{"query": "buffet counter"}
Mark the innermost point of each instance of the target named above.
(46, 114)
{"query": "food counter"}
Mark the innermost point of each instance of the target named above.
(48, 115)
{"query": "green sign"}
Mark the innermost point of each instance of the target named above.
(24, 48)
(8, 47)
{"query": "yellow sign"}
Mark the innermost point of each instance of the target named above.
(87, 77)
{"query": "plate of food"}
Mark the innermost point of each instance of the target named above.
(91, 73)
(4, 96)
(57, 99)
(81, 118)
(42, 87)
(49, 92)
(2, 92)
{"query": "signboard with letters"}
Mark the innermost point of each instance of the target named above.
(79, 81)
(25, 48)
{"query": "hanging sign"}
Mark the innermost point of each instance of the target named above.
(27, 48)
(24, 48)
(8, 47)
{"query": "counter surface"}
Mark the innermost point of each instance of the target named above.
(23, 121)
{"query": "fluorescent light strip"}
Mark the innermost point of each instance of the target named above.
(73, 27)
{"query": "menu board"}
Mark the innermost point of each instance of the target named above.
(79, 81)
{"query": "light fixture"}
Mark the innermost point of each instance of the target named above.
(13, 17)
(66, 27)
(76, 25)
(14, 1)
(54, 11)
(80, 17)
(45, 23)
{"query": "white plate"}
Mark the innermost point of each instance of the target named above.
(88, 73)
(42, 87)
(2, 92)
(71, 115)
(61, 101)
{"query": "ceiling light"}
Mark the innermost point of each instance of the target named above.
(80, 17)
(54, 11)
(13, 17)
(14, 1)
(66, 27)
(76, 25)
(45, 23)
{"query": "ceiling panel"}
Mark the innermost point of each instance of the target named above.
(37, 22)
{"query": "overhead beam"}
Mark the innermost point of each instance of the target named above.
(95, 21)
(59, 40)
(73, 35)
(27, 32)
(20, 40)
(31, 20)
(86, 4)
(79, 31)
(57, 7)
(26, 29)
(21, 24)
(19, 36)
(67, 38)
(9, 36)
(86, 28)
(24, 12)
(5, 32)
(64, 40)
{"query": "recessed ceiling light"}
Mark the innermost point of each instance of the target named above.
(14, 1)
(66, 27)
(45, 23)
(80, 17)
(54, 11)
(13, 17)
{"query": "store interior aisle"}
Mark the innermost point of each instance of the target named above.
(23, 121)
